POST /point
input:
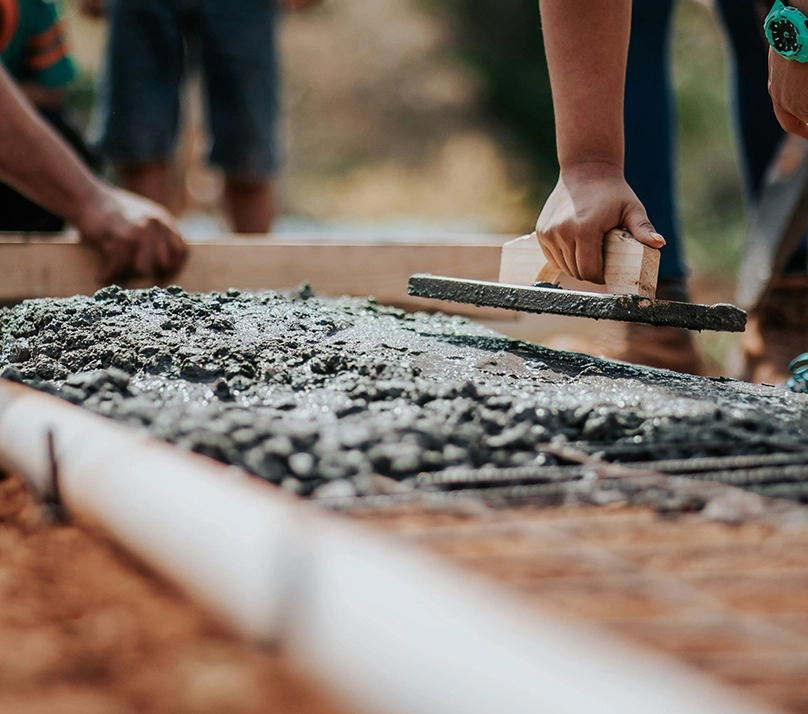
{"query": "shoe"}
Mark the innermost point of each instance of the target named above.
(663, 347)
(798, 381)
(776, 332)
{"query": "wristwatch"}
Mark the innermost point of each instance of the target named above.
(787, 31)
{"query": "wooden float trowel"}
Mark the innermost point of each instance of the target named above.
(528, 283)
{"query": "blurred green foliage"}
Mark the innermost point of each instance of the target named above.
(711, 201)
(501, 41)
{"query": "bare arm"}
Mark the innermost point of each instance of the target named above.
(133, 235)
(788, 86)
(587, 46)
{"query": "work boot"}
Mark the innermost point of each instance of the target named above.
(665, 347)
(776, 332)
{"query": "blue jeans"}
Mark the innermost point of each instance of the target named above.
(151, 44)
(649, 114)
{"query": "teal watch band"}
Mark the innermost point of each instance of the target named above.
(787, 31)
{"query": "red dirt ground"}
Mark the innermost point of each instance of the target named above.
(86, 630)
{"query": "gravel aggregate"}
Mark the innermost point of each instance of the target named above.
(337, 397)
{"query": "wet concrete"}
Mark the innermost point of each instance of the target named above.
(720, 317)
(344, 396)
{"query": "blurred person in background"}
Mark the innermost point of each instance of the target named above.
(34, 50)
(779, 330)
(604, 156)
(151, 46)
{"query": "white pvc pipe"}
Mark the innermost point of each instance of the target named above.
(394, 631)
(215, 532)
(429, 640)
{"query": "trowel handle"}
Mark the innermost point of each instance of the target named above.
(549, 273)
(628, 265)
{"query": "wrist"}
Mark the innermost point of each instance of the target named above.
(591, 170)
(786, 29)
(91, 207)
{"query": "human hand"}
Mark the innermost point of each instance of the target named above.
(788, 87)
(300, 4)
(587, 202)
(92, 8)
(135, 236)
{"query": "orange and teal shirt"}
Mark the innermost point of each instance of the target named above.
(33, 44)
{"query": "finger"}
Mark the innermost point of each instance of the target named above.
(566, 250)
(162, 254)
(143, 258)
(636, 222)
(553, 256)
(589, 257)
(179, 252)
(791, 123)
(106, 274)
(116, 260)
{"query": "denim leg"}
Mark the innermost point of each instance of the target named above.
(138, 108)
(759, 134)
(650, 127)
(758, 131)
(239, 58)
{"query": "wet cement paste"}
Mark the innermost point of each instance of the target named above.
(323, 395)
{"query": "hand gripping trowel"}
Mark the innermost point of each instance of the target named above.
(528, 283)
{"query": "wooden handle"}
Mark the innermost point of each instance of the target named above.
(628, 265)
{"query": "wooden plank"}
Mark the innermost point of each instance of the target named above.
(523, 263)
(629, 266)
(60, 267)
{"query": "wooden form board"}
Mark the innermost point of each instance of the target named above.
(60, 267)
(629, 267)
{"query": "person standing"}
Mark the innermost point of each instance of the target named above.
(150, 49)
(603, 161)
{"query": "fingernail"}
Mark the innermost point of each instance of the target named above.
(658, 237)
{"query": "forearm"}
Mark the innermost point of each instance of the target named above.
(587, 47)
(37, 162)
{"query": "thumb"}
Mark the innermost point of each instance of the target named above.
(636, 222)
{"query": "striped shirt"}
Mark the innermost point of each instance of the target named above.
(33, 44)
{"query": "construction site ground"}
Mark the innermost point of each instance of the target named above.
(86, 629)
(664, 507)
(727, 599)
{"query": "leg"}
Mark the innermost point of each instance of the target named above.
(240, 68)
(138, 109)
(249, 204)
(152, 179)
(778, 330)
(759, 133)
(650, 143)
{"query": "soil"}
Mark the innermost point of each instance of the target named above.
(335, 397)
(84, 629)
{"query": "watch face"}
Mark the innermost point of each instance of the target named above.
(784, 36)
